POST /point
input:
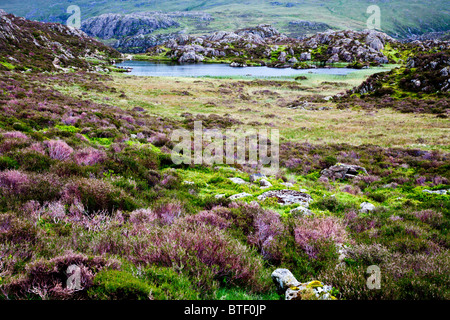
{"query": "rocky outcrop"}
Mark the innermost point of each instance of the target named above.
(424, 73)
(287, 285)
(41, 46)
(138, 43)
(287, 197)
(134, 31)
(107, 26)
(265, 45)
(342, 171)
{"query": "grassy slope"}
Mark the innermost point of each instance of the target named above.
(397, 16)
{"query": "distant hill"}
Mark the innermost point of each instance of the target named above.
(399, 18)
(41, 46)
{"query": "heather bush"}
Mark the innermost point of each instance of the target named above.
(167, 212)
(58, 150)
(209, 217)
(98, 195)
(267, 228)
(203, 252)
(429, 216)
(46, 279)
(30, 160)
(312, 230)
(16, 230)
(14, 181)
(89, 156)
(142, 216)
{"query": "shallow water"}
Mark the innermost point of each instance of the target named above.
(146, 68)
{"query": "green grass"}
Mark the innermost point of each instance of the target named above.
(397, 16)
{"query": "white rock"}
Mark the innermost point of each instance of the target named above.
(237, 180)
(239, 195)
(366, 207)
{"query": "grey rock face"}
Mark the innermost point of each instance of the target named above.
(107, 26)
(256, 176)
(435, 191)
(237, 180)
(191, 56)
(287, 197)
(343, 171)
(305, 56)
(284, 279)
(239, 195)
(366, 207)
(302, 211)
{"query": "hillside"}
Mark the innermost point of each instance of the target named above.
(265, 45)
(47, 46)
(422, 85)
(400, 18)
(93, 207)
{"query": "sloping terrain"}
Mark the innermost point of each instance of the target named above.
(46, 46)
(422, 85)
(87, 180)
(400, 18)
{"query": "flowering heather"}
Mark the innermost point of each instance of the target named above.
(89, 156)
(204, 252)
(168, 212)
(46, 278)
(312, 229)
(37, 147)
(15, 135)
(158, 139)
(268, 227)
(14, 181)
(355, 190)
(142, 216)
(58, 150)
(55, 211)
(428, 216)
(209, 217)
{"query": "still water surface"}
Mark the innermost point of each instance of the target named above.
(146, 68)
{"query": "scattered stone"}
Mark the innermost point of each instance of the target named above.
(239, 195)
(391, 185)
(366, 207)
(435, 191)
(287, 197)
(302, 211)
(288, 285)
(343, 171)
(283, 280)
(256, 176)
(264, 183)
(238, 180)
(287, 184)
(219, 196)
(188, 182)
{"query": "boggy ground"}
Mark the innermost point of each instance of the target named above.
(87, 179)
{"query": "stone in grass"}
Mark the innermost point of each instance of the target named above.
(366, 207)
(239, 195)
(237, 180)
(435, 191)
(343, 171)
(219, 196)
(293, 289)
(287, 184)
(301, 210)
(287, 197)
(264, 183)
(256, 176)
